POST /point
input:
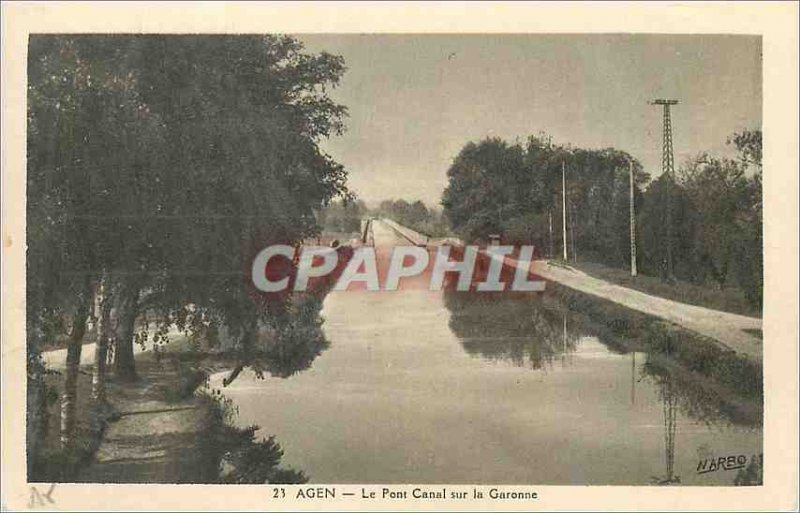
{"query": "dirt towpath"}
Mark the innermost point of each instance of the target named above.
(155, 440)
(726, 328)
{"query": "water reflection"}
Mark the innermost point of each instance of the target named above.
(288, 336)
(286, 343)
(513, 327)
(294, 341)
(699, 398)
(669, 402)
(457, 387)
(527, 330)
(236, 455)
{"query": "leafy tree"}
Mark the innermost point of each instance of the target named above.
(157, 167)
(486, 185)
(749, 145)
(652, 230)
(516, 192)
(243, 116)
(415, 215)
(87, 128)
(749, 265)
(717, 189)
(495, 187)
(342, 216)
(717, 221)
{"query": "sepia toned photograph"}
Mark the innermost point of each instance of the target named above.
(444, 266)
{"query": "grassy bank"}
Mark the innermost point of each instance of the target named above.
(639, 331)
(729, 299)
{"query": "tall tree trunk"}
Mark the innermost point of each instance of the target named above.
(36, 418)
(36, 407)
(70, 395)
(104, 334)
(128, 311)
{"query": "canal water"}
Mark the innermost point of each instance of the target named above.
(447, 387)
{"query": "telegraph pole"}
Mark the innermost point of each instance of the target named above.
(633, 221)
(668, 169)
(572, 218)
(564, 209)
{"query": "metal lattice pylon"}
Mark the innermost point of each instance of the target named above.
(668, 170)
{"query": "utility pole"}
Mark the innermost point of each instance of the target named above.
(564, 209)
(633, 221)
(571, 217)
(668, 169)
(550, 225)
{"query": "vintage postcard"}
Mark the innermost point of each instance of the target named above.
(406, 256)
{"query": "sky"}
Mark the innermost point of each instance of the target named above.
(415, 100)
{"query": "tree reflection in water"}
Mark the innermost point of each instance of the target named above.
(286, 341)
(699, 399)
(527, 330)
(680, 391)
(510, 326)
(294, 340)
(289, 336)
